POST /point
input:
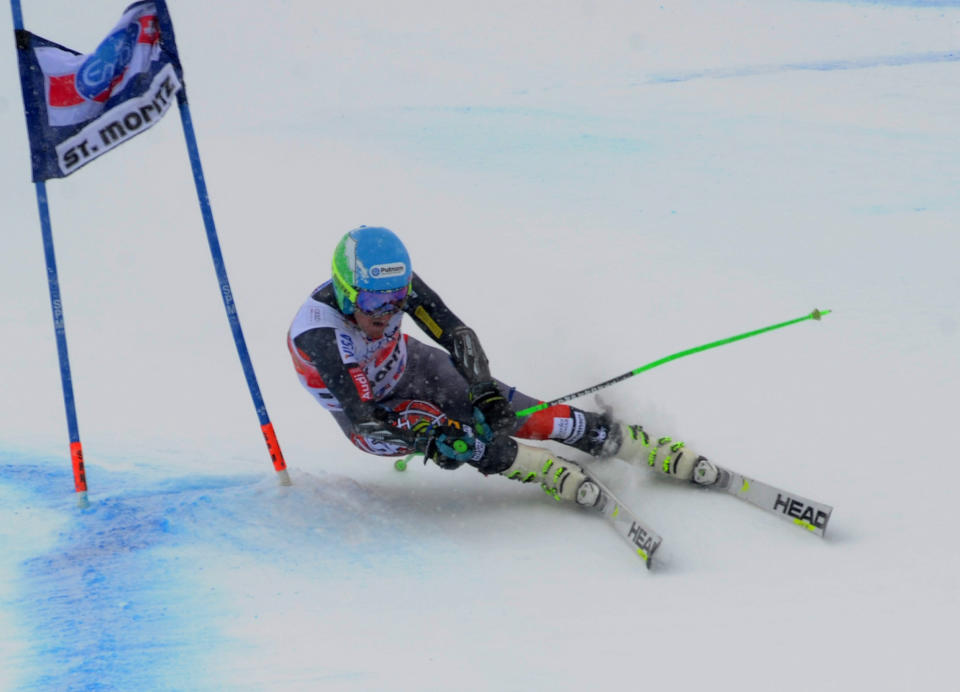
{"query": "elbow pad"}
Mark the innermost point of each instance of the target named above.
(468, 355)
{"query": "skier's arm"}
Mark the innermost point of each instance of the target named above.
(436, 319)
(349, 384)
(447, 446)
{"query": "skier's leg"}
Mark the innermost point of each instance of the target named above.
(672, 457)
(589, 432)
(600, 436)
(430, 375)
(561, 478)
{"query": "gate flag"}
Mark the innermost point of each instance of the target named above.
(80, 107)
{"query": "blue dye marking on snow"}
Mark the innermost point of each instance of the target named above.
(87, 606)
(120, 601)
(814, 66)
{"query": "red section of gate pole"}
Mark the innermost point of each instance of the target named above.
(274, 447)
(79, 474)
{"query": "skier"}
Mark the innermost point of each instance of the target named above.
(393, 395)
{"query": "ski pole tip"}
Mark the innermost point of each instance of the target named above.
(817, 314)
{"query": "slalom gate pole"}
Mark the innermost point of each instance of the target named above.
(56, 306)
(815, 315)
(266, 427)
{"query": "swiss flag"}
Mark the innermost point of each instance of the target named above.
(62, 91)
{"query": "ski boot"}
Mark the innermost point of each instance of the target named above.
(633, 444)
(560, 478)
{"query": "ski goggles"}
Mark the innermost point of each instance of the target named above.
(376, 303)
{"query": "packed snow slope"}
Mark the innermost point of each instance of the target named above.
(591, 186)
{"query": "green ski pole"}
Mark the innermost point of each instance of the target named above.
(815, 315)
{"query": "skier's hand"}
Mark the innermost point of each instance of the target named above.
(491, 411)
(448, 446)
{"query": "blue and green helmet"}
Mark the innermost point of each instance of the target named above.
(371, 271)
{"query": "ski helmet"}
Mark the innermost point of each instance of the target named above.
(371, 271)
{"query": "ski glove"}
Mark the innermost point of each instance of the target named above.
(491, 411)
(448, 446)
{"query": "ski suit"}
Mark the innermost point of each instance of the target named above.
(361, 381)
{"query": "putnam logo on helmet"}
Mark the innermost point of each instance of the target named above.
(385, 271)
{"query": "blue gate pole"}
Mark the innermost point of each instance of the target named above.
(266, 426)
(56, 306)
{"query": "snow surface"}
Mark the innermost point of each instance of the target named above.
(591, 186)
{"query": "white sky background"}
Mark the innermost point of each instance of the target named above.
(591, 187)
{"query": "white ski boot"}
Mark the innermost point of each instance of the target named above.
(561, 478)
(665, 455)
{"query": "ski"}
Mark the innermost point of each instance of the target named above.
(805, 513)
(808, 514)
(639, 535)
